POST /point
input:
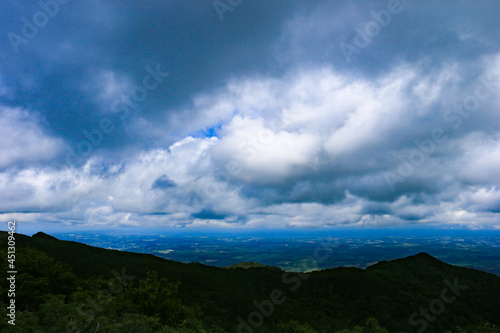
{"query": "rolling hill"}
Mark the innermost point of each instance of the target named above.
(144, 293)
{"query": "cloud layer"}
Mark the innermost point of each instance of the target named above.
(305, 115)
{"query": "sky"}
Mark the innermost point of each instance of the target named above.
(255, 114)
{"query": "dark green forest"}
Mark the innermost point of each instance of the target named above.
(64, 286)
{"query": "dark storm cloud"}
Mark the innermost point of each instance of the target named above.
(57, 71)
(163, 182)
(209, 215)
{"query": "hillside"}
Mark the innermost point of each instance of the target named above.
(158, 294)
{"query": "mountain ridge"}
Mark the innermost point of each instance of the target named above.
(338, 297)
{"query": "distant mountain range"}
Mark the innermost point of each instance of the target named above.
(413, 294)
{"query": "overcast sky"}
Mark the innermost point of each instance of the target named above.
(250, 113)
